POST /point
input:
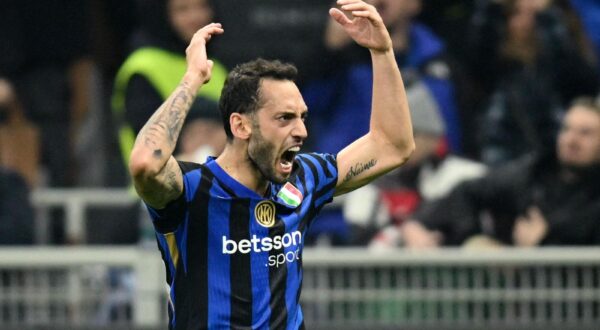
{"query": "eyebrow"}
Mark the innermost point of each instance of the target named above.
(291, 112)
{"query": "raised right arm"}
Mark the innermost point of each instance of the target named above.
(156, 175)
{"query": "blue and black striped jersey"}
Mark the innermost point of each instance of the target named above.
(233, 257)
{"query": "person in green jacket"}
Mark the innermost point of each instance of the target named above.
(153, 70)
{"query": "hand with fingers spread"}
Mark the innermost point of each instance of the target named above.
(366, 26)
(198, 63)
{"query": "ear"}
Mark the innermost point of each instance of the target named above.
(241, 127)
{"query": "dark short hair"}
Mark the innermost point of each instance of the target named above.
(241, 92)
(587, 102)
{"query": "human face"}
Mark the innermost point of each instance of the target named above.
(199, 133)
(278, 129)
(189, 16)
(521, 22)
(394, 11)
(579, 138)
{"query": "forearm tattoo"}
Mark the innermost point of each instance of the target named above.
(163, 128)
(358, 168)
(171, 179)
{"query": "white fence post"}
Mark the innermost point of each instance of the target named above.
(150, 290)
(74, 202)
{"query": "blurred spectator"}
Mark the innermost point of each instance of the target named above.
(16, 212)
(19, 138)
(537, 200)
(45, 53)
(450, 20)
(529, 59)
(341, 100)
(202, 137)
(155, 67)
(430, 173)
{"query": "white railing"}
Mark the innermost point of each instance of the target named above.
(342, 288)
(549, 288)
(81, 287)
(74, 202)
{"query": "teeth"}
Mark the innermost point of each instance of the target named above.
(294, 149)
(286, 164)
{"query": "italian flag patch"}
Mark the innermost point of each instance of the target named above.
(290, 195)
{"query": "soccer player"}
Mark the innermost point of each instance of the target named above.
(231, 230)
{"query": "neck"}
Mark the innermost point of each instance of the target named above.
(235, 161)
(572, 174)
(567, 175)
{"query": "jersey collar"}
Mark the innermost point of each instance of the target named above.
(237, 187)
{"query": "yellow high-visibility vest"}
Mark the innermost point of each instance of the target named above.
(164, 70)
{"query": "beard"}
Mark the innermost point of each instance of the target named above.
(263, 156)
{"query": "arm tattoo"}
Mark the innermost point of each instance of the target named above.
(172, 180)
(168, 188)
(165, 124)
(358, 169)
(175, 116)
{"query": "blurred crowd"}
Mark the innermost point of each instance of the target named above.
(504, 97)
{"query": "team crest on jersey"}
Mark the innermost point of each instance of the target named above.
(264, 212)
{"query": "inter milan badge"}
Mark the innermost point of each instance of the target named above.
(290, 195)
(264, 212)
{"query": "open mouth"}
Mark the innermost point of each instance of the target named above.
(287, 158)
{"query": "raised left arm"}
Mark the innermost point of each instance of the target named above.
(389, 142)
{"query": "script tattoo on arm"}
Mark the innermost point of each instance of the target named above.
(358, 168)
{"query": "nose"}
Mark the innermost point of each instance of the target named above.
(299, 130)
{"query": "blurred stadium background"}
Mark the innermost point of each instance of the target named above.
(89, 269)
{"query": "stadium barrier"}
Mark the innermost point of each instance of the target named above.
(545, 288)
(74, 202)
(123, 288)
(81, 287)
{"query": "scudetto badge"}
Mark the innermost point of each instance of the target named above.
(264, 212)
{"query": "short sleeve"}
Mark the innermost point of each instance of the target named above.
(321, 175)
(167, 219)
